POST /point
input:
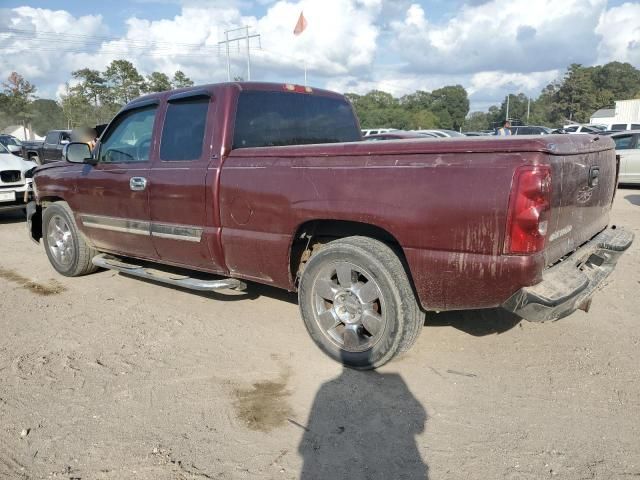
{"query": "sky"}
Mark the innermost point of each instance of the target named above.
(491, 47)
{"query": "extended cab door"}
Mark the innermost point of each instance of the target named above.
(183, 184)
(112, 201)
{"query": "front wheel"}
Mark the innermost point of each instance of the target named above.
(357, 302)
(67, 250)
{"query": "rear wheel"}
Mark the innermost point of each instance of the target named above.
(67, 250)
(357, 302)
(36, 159)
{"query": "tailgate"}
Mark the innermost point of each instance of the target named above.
(584, 183)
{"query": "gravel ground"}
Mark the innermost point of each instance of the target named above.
(109, 377)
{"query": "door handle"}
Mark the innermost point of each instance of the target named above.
(137, 184)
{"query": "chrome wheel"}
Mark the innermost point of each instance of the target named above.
(60, 240)
(349, 306)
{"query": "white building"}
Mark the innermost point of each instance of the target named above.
(19, 132)
(625, 115)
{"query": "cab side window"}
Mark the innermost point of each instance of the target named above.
(184, 128)
(129, 139)
(624, 142)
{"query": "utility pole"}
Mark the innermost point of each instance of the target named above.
(226, 37)
(507, 116)
(227, 41)
(528, 109)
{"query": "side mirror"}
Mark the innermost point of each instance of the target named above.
(77, 152)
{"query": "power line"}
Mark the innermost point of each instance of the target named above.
(82, 38)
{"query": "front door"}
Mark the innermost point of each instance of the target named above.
(181, 187)
(112, 200)
(632, 159)
(628, 147)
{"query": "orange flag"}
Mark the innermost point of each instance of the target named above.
(301, 25)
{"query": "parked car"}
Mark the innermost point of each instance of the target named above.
(628, 147)
(376, 131)
(529, 130)
(477, 134)
(398, 135)
(12, 144)
(15, 187)
(620, 127)
(583, 129)
(370, 234)
(49, 150)
(443, 133)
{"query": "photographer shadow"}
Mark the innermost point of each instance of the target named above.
(363, 425)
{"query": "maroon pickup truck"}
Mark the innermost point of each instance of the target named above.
(206, 187)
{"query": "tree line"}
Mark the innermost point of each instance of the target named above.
(95, 96)
(573, 98)
(92, 98)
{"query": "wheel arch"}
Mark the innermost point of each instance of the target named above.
(35, 221)
(313, 233)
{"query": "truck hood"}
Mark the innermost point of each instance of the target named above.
(551, 144)
(11, 162)
(54, 165)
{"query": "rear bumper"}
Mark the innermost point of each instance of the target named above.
(569, 285)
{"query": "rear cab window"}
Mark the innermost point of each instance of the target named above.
(271, 118)
(619, 126)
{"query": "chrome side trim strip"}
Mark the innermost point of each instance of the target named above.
(140, 227)
(137, 227)
(188, 237)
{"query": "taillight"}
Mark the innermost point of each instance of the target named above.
(529, 206)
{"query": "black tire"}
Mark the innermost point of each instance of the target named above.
(373, 271)
(66, 248)
(36, 159)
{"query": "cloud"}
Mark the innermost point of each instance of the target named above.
(28, 42)
(516, 36)
(619, 28)
(488, 46)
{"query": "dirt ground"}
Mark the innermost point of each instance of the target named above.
(109, 377)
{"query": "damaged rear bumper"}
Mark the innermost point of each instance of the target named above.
(569, 285)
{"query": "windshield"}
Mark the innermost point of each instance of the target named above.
(3, 149)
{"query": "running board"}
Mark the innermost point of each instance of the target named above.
(176, 279)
